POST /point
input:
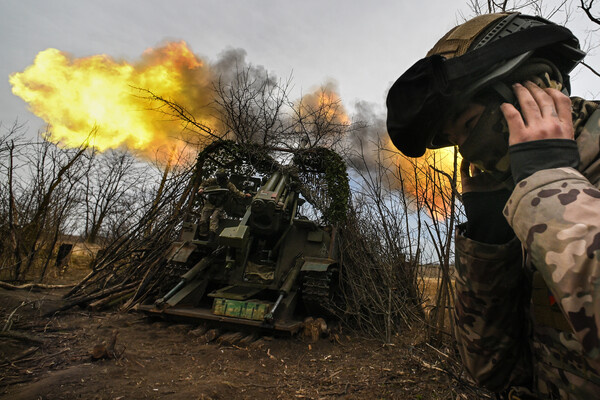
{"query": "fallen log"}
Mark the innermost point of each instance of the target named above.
(230, 338)
(113, 298)
(92, 297)
(8, 286)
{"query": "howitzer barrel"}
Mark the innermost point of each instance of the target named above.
(269, 203)
(272, 191)
(272, 182)
(280, 186)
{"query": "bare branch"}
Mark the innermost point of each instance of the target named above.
(587, 8)
(590, 68)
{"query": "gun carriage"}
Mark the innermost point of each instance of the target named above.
(268, 268)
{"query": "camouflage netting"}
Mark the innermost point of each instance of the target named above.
(239, 159)
(134, 266)
(331, 167)
(321, 171)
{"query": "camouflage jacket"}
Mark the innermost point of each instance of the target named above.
(505, 342)
(218, 200)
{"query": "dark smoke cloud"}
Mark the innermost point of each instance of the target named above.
(231, 62)
(370, 136)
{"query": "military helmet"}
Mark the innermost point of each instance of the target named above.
(474, 56)
(221, 175)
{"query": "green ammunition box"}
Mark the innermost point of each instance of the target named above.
(251, 309)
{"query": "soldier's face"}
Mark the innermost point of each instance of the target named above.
(479, 132)
(459, 127)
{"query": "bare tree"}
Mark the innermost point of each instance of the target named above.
(250, 106)
(381, 251)
(319, 119)
(438, 193)
(41, 181)
(107, 183)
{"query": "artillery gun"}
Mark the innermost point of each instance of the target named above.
(268, 268)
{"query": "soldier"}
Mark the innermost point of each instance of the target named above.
(219, 189)
(528, 258)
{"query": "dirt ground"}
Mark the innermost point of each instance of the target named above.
(51, 358)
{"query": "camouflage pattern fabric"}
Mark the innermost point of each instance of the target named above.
(210, 217)
(555, 214)
(232, 189)
(213, 213)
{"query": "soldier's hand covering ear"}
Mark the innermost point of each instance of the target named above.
(545, 114)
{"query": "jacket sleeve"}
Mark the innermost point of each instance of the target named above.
(556, 214)
(235, 191)
(490, 312)
(208, 182)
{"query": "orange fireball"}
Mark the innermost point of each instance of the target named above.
(423, 179)
(78, 96)
(324, 104)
